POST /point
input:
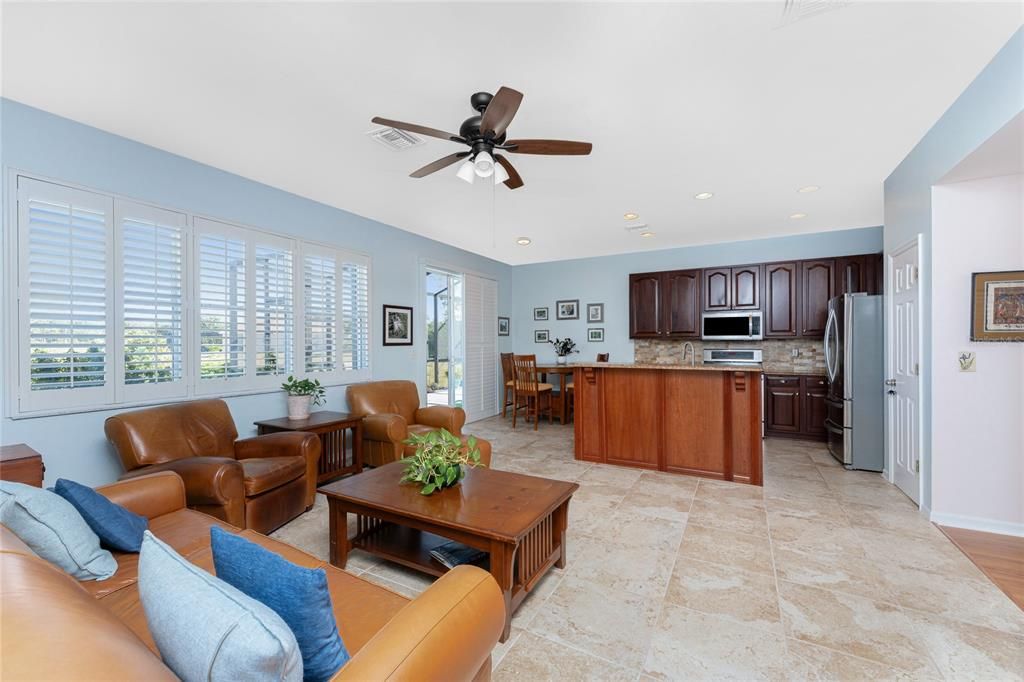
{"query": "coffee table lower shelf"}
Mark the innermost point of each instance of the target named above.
(409, 547)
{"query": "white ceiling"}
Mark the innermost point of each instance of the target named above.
(677, 99)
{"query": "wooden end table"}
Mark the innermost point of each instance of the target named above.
(519, 520)
(21, 464)
(330, 427)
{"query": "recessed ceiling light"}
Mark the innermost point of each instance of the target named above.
(798, 216)
(808, 189)
(523, 241)
(646, 233)
(703, 195)
(631, 216)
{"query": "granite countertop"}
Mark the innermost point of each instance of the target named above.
(688, 368)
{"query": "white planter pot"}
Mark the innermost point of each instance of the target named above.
(560, 359)
(298, 406)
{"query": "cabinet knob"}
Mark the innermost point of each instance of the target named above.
(782, 381)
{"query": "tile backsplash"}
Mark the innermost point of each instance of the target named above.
(777, 353)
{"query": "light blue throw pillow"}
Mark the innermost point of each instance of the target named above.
(299, 595)
(54, 530)
(206, 630)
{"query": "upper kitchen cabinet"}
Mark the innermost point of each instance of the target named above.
(859, 274)
(781, 299)
(664, 305)
(645, 293)
(681, 312)
(817, 286)
(737, 288)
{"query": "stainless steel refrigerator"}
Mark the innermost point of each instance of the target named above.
(854, 365)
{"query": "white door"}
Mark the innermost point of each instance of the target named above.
(904, 375)
(481, 380)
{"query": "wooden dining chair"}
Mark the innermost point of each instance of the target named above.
(602, 357)
(508, 373)
(529, 393)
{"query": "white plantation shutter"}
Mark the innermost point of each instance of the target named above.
(152, 298)
(355, 313)
(65, 238)
(480, 388)
(274, 325)
(336, 314)
(221, 309)
(320, 312)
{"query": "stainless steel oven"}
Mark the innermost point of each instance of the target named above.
(732, 326)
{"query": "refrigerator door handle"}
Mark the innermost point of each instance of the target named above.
(830, 365)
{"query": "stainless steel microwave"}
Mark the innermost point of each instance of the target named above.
(733, 325)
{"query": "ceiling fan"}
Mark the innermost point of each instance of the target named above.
(485, 133)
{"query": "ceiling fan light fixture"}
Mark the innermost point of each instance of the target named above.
(500, 174)
(484, 164)
(467, 172)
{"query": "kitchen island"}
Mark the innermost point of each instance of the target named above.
(702, 420)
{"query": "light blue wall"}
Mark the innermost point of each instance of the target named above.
(988, 103)
(40, 143)
(606, 280)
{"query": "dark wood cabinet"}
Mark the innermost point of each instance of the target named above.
(782, 405)
(781, 300)
(859, 274)
(645, 305)
(665, 304)
(817, 284)
(815, 392)
(681, 312)
(737, 288)
(794, 406)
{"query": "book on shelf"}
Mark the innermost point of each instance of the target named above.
(452, 554)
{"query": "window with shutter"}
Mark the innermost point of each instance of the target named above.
(151, 254)
(274, 325)
(221, 270)
(320, 312)
(355, 312)
(336, 313)
(65, 237)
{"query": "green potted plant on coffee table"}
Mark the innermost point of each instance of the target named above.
(440, 460)
(302, 393)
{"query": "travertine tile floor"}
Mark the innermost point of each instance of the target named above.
(822, 574)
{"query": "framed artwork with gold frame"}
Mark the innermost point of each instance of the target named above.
(997, 306)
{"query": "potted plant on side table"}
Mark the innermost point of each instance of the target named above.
(301, 394)
(440, 460)
(563, 349)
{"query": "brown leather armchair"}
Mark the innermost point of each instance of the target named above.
(391, 412)
(259, 483)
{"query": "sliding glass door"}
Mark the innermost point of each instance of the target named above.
(445, 333)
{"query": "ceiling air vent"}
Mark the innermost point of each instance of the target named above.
(797, 10)
(396, 139)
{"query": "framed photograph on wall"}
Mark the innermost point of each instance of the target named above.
(503, 326)
(997, 306)
(397, 325)
(540, 314)
(595, 312)
(541, 336)
(567, 310)
(595, 334)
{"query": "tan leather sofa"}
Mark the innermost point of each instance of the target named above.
(259, 483)
(391, 412)
(55, 628)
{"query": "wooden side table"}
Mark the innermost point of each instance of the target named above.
(335, 458)
(21, 464)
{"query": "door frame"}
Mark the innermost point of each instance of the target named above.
(924, 456)
(421, 351)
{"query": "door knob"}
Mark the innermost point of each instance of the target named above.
(891, 392)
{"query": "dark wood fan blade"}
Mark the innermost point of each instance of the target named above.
(435, 166)
(514, 181)
(551, 147)
(413, 128)
(500, 112)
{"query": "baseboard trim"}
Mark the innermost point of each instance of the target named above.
(976, 523)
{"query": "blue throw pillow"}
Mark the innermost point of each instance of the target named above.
(117, 527)
(299, 595)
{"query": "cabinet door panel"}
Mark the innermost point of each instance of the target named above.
(632, 416)
(782, 404)
(644, 305)
(816, 288)
(681, 313)
(695, 422)
(717, 290)
(815, 391)
(851, 276)
(746, 287)
(780, 299)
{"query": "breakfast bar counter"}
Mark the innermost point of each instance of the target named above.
(702, 420)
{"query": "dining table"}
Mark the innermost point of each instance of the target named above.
(560, 402)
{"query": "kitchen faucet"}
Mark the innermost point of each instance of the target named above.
(693, 354)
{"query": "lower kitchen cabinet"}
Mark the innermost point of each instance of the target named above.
(794, 406)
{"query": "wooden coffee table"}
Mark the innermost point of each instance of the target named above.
(519, 520)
